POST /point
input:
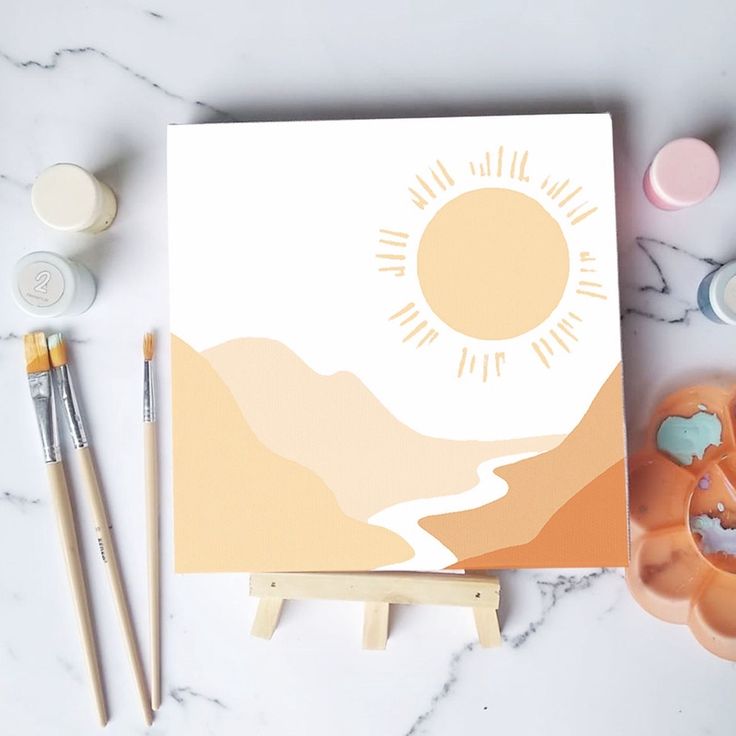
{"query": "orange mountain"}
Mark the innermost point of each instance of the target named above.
(588, 462)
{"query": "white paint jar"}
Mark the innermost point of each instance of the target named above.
(70, 198)
(49, 285)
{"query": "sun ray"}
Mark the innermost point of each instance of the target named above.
(439, 181)
(445, 173)
(417, 329)
(560, 341)
(575, 316)
(463, 358)
(472, 168)
(591, 293)
(575, 209)
(391, 256)
(428, 336)
(485, 367)
(560, 189)
(394, 233)
(585, 214)
(399, 270)
(472, 364)
(570, 196)
(522, 167)
(417, 199)
(426, 187)
(403, 310)
(488, 163)
(594, 284)
(395, 243)
(483, 171)
(434, 337)
(585, 256)
(500, 360)
(567, 331)
(499, 166)
(408, 319)
(512, 173)
(546, 345)
(540, 354)
(544, 183)
(588, 270)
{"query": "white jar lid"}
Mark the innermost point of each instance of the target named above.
(722, 293)
(67, 197)
(48, 285)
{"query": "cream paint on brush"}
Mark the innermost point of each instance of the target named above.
(39, 378)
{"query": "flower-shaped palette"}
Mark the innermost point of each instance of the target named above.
(683, 516)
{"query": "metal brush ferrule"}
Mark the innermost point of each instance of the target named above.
(68, 398)
(40, 385)
(149, 398)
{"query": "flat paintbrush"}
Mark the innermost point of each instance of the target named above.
(39, 380)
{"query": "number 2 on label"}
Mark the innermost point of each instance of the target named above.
(42, 279)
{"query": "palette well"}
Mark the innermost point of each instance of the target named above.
(683, 516)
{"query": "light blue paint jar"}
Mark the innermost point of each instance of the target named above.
(717, 295)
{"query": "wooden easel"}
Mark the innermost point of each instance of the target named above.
(378, 590)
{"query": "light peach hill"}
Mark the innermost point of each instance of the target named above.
(540, 486)
(335, 427)
(239, 506)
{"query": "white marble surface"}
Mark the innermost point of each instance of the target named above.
(96, 84)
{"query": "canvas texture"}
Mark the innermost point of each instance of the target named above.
(395, 345)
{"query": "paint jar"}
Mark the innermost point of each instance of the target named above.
(49, 285)
(683, 173)
(68, 197)
(717, 295)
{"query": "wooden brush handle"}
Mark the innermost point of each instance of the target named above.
(68, 532)
(107, 551)
(154, 557)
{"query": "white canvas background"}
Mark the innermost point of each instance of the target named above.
(274, 231)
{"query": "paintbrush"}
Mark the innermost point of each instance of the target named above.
(150, 461)
(39, 380)
(75, 424)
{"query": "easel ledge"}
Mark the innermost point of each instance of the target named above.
(378, 590)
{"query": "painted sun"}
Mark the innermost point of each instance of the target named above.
(494, 263)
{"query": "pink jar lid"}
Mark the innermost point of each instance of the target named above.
(683, 173)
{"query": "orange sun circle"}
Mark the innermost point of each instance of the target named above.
(493, 263)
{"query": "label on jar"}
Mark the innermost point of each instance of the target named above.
(729, 294)
(41, 284)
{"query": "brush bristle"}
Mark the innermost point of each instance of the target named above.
(37, 352)
(148, 345)
(57, 350)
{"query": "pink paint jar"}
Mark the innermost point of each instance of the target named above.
(683, 173)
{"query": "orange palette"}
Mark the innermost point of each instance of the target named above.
(683, 516)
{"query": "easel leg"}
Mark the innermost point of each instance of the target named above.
(486, 622)
(267, 617)
(375, 625)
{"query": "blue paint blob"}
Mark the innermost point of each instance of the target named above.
(687, 438)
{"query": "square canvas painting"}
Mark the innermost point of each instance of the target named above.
(395, 345)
